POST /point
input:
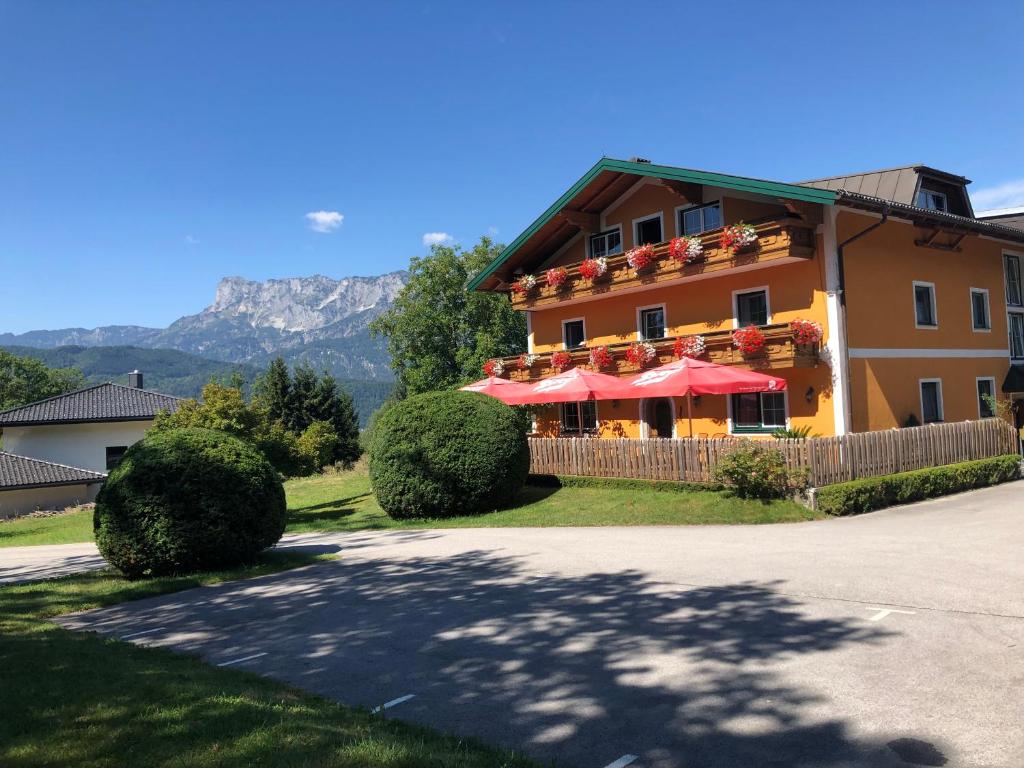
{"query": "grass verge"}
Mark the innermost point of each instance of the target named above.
(344, 502)
(74, 698)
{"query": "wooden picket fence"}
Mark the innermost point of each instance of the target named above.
(827, 460)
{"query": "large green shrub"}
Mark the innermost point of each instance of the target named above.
(757, 471)
(442, 454)
(190, 499)
(876, 492)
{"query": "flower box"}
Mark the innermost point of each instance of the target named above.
(749, 341)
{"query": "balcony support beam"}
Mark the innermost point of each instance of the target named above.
(588, 222)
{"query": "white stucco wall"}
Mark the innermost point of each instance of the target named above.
(30, 499)
(77, 445)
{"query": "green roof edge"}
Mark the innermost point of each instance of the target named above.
(743, 183)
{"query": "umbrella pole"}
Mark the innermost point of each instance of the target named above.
(689, 411)
(579, 416)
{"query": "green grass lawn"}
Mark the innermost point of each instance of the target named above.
(73, 698)
(344, 502)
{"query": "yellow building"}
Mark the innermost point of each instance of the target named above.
(918, 301)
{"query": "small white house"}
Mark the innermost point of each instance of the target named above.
(87, 430)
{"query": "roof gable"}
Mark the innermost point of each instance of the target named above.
(588, 189)
(100, 402)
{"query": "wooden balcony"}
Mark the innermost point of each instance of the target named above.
(779, 351)
(778, 241)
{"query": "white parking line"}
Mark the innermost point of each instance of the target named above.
(883, 612)
(622, 762)
(239, 661)
(393, 702)
(143, 632)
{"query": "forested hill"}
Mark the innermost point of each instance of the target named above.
(178, 373)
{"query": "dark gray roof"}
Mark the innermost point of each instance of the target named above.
(23, 472)
(101, 402)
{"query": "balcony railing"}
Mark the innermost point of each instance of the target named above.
(780, 351)
(780, 239)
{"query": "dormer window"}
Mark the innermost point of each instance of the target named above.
(932, 200)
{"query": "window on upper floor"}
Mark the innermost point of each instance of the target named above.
(932, 200)
(758, 411)
(573, 334)
(931, 401)
(1015, 321)
(1011, 270)
(576, 421)
(648, 231)
(701, 218)
(925, 315)
(606, 243)
(986, 398)
(652, 323)
(980, 317)
(751, 308)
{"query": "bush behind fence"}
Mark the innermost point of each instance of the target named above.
(827, 460)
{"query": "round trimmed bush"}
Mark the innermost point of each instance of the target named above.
(443, 454)
(185, 500)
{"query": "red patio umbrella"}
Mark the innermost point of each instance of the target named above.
(509, 392)
(575, 386)
(688, 377)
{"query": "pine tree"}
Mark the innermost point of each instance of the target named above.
(273, 389)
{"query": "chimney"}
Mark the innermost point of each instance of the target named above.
(639, 160)
(135, 380)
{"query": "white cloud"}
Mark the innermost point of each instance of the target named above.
(437, 238)
(324, 221)
(492, 231)
(190, 240)
(1009, 194)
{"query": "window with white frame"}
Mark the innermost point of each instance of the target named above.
(573, 334)
(986, 398)
(925, 315)
(1011, 269)
(700, 218)
(606, 243)
(932, 200)
(980, 317)
(751, 308)
(652, 323)
(579, 418)
(647, 231)
(931, 400)
(758, 411)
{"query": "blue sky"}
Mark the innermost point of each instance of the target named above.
(148, 149)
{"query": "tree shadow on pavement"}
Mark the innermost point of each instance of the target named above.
(573, 669)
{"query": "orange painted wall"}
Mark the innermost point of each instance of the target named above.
(880, 271)
(794, 290)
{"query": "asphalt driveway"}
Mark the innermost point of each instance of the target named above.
(891, 639)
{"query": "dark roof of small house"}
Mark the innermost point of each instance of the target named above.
(23, 472)
(101, 402)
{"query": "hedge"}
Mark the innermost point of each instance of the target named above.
(185, 500)
(877, 492)
(442, 454)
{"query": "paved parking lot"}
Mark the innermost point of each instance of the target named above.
(890, 639)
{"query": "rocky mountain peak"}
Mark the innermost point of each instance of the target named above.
(299, 304)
